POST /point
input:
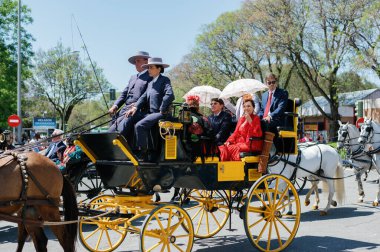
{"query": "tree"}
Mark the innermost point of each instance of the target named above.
(365, 37)
(313, 35)
(8, 55)
(64, 79)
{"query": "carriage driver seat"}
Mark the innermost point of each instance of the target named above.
(288, 132)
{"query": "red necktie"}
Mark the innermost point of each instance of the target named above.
(267, 107)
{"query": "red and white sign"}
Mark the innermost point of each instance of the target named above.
(359, 122)
(14, 121)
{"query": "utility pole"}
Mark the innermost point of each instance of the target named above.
(19, 128)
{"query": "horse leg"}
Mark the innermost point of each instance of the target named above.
(360, 187)
(51, 213)
(376, 201)
(331, 190)
(37, 233)
(307, 199)
(22, 235)
(315, 206)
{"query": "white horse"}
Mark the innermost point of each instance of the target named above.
(359, 156)
(318, 162)
(370, 134)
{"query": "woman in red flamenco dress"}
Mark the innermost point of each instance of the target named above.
(248, 126)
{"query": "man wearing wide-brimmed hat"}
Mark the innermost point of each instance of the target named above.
(157, 99)
(134, 90)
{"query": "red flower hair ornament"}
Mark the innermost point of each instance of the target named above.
(192, 99)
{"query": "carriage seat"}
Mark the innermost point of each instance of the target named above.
(251, 139)
(290, 115)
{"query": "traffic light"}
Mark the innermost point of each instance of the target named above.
(112, 94)
(359, 109)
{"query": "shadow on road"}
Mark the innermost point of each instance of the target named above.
(335, 213)
(9, 234)
(321, 243)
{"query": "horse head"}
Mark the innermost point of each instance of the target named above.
(342, 134)
(366, 131)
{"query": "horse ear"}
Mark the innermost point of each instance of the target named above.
(340, 123)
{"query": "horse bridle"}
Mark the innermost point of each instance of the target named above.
(369, 130)
(346, 142)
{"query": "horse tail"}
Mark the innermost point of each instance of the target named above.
(70, 212)
(339, 184)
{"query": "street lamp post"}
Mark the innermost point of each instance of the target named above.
(19, 128)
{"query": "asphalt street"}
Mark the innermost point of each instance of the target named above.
(350, 227)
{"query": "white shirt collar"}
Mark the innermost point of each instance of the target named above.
(142, 72)
(154, 80)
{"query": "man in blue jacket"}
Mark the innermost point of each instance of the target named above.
(135, 89)
(153, 105)
(274, 104)
(221, 122)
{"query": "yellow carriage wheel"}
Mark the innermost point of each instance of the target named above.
(266, 225)
(208, 211)
(102, 233)
(167, 228)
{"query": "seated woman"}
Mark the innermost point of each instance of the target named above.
(200, 125)
(248, 126)
(199, 130)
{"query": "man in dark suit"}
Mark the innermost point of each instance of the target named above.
(221, 121)
(156, 100)
(274, 104)
(135, 89)
(57, 142)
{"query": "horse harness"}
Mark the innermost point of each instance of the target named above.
(24, 201)
(296, 165)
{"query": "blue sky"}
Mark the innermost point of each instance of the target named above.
(115, 29)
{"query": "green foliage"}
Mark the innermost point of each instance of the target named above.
(8, 56)
(64, 79)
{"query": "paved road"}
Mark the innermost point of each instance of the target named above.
(351, 227)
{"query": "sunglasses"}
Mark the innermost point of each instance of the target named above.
(271, 82)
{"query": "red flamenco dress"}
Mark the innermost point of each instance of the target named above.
(239, 140)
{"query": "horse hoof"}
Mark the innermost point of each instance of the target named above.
(307, 202)
(333, 203)
(360, 200)
(314, 207)
(322, 213)
(375, 203)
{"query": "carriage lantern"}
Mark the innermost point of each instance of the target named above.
(185, 115)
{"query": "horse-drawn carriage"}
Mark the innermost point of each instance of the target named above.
(211, 190)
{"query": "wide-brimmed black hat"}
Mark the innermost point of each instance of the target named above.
(142, 54)
(155, 61)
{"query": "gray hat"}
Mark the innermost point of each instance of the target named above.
(155, 61)
(142, 54)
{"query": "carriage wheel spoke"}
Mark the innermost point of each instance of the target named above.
(108, 239)
(262, 201)
(200, 221)
(283, 224)
(278, 233)
(154, 246)
(99, 239)
(283, 195)
(92, 233)
(175, 245)
(267, 192)
(285, 205)
(257, 222)
(269, 234)
(217, 222)
(192, 218)
(262, 231)
(169, 220)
